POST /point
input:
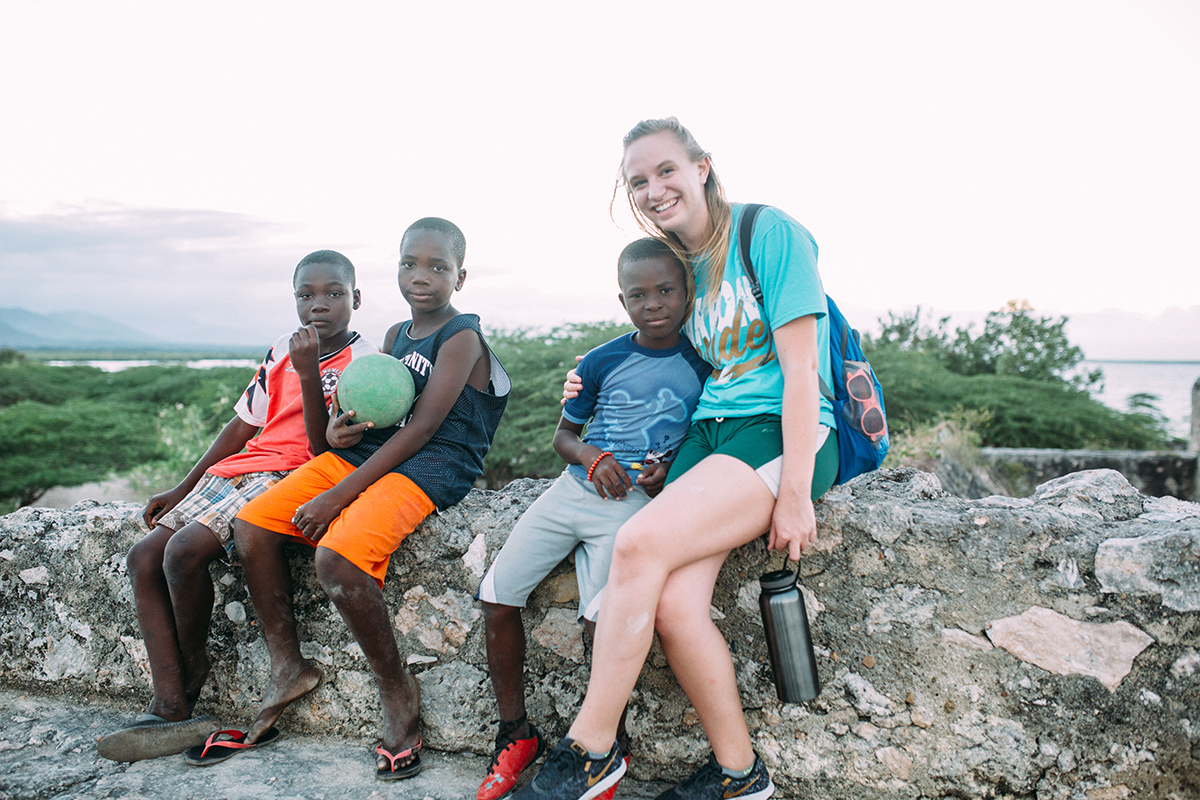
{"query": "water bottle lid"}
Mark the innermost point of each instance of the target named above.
(776, 581)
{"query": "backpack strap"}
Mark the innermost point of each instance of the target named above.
(745, 233)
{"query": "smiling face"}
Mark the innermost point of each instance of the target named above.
(654, 293)
(325, 299)
(429, 271)
(667, 186)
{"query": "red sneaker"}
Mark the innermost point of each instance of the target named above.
(612, 790)
(508, 762)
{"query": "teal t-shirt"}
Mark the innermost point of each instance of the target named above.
(733, 333)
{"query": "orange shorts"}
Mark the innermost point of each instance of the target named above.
(367, 531)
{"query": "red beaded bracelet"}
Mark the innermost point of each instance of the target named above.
(599, 458)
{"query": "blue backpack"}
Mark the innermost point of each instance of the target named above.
(856, 395)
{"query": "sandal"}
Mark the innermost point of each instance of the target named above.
(390, 772)
(215, 750)
(151, 736)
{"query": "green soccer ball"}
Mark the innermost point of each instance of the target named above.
(377, 388)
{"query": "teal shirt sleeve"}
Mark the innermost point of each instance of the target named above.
(731, 331)
(785, 260)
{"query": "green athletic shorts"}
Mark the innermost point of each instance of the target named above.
(756, 441)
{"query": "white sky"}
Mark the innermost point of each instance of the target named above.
(167, 165)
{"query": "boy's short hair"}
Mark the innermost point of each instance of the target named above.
(458, 242)
(327, 257)
(648, 247)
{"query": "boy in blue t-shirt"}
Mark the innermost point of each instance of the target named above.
(639, 392)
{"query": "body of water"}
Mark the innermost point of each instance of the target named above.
(1171, 381)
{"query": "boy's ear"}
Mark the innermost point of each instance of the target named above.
(462, 276)
(357, 299)
(621, 297)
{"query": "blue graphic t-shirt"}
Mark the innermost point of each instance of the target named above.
(640, 401)
(734, 334)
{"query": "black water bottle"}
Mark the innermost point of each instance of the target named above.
(788, 641)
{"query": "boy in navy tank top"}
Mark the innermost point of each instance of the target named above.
(357, 502)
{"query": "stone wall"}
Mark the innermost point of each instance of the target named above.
(1043, 647)
(1172, 474)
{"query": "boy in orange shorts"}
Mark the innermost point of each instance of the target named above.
(357, 502)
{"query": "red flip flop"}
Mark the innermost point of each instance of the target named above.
(390, 773)
(216, 749)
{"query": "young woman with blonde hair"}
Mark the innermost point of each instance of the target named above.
(758, 453)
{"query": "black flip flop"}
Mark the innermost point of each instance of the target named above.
(390, 773)
(151, 736)
(216, 749)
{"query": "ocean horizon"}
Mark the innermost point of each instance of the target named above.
(1170, 381)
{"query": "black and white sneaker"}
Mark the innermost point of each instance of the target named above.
(571, 774)
(711, 783)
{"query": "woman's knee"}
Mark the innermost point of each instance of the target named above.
(636, 546)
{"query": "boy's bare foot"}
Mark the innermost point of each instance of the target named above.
(286, 687)
(401, 724)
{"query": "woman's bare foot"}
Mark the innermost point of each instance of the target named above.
(288, 685)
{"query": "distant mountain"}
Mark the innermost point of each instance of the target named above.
(27, 330)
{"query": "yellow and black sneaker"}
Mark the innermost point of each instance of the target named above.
(712, 783)
(570, 773)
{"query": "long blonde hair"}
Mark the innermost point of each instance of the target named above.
(711, 254)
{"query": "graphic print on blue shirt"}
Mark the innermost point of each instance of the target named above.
(639, 401)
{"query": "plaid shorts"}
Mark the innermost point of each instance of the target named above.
(216, 501)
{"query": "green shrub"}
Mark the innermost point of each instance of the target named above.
(537, 364)
(63, 426)
(920, 390)
(42, 446)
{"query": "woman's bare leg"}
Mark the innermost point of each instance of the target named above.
(720, 504)
(700, 659)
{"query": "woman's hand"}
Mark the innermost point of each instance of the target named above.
(793, 524)
(572, 386)
(313, 518)
(342, 431)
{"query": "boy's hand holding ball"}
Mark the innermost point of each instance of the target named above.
(343, 431)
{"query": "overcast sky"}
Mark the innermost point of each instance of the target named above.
(168, 164)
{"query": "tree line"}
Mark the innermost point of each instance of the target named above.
(1019, 381)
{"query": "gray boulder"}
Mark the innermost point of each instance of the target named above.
(1042, 647)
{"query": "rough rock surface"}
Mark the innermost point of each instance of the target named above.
(902, 594)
